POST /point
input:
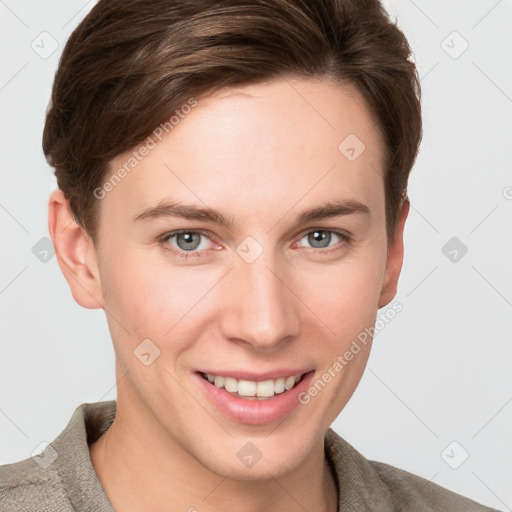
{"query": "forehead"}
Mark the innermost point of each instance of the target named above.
(261, 147)
(289, 118)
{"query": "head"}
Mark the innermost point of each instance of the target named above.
(256, 113)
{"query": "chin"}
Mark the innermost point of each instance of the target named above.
(258, 458)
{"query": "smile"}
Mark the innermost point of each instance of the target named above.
(254, 402)
(254, 390)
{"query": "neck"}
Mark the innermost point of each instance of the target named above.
(142, 468)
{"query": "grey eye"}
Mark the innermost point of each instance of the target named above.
(188, 240)
(319, 239)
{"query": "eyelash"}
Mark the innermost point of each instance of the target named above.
(163, 239)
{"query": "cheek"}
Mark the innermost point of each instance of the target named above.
(345, 295)
(149, 298)
(349, 309)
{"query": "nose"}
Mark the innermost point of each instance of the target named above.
(260, 308)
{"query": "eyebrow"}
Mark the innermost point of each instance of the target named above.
(325, 211)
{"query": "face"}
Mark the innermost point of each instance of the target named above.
(268, 293)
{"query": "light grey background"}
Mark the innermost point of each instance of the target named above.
(439, 372)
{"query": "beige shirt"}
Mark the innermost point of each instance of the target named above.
(63, 479)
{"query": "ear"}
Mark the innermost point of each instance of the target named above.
(395, 259)
(75, 253)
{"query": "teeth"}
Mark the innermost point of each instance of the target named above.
(248, 388)
(265, 388)
(289, 383)
(279, 385)
(230, 384)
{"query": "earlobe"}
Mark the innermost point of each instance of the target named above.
(395, 259)
(75, 253)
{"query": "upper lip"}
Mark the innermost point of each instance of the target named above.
(258, 376)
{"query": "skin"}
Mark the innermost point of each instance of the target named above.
(260, 155)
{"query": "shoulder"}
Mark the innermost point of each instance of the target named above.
(372, 485)
(412, 492)
(61, 477)
(27, 486)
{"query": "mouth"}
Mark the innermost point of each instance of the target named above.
(255, 402)
(252, 389)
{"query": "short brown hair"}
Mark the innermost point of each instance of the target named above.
(131, 63)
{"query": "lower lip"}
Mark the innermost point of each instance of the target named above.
(255, 412)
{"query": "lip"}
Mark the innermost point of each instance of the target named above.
(254, 412)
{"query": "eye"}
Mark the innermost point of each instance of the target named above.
(322, 238)
(188, 243)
